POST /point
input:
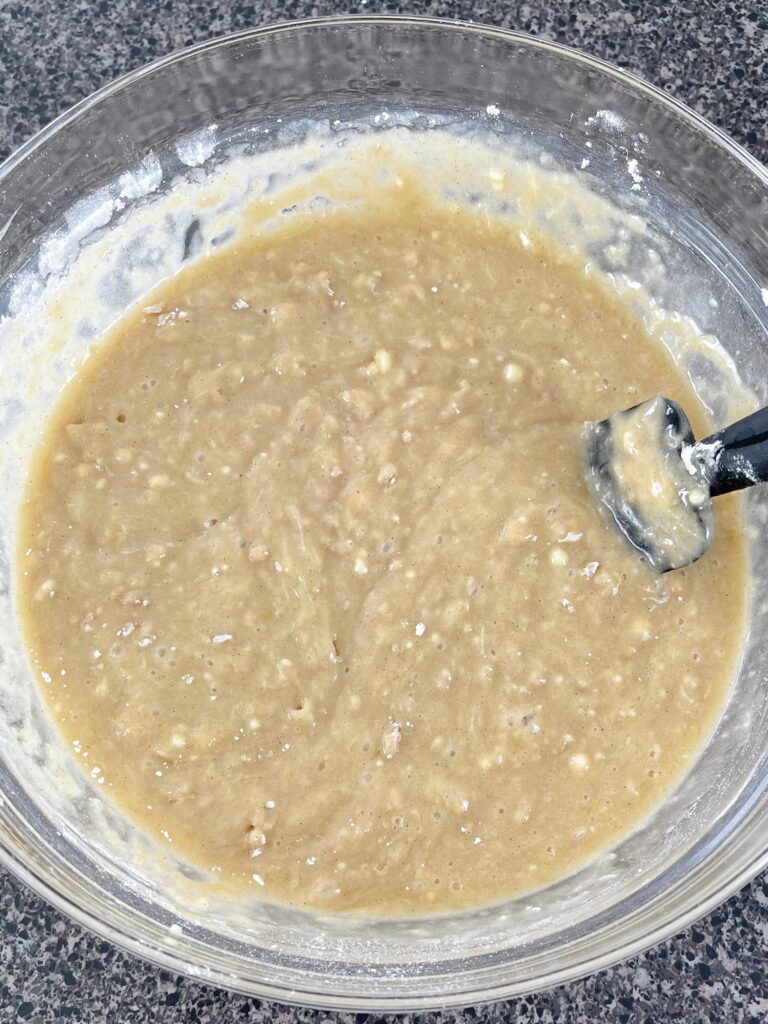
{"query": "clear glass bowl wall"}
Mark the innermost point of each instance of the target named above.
(707, 204)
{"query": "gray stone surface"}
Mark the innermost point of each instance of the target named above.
(709, 53)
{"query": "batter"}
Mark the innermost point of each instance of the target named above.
(314, 585)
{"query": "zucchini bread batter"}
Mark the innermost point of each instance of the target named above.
(314, 584)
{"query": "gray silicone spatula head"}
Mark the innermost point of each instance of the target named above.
(647, 471)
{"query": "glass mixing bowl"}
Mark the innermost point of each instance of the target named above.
(705, 202)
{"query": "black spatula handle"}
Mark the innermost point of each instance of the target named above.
(741, 456)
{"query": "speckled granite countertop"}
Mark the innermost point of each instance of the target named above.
(712, 54)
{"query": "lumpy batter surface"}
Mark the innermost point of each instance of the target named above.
(316, 589)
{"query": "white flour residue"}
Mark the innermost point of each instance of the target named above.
(142, 179)
(608, 119)
(195, 149)
(633, 170)
(82, 219)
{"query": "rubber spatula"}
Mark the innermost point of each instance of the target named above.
(657, 482)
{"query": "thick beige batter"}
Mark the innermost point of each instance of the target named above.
(315, 586)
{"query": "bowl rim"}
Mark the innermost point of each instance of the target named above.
(166, 956)
(68, 115)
